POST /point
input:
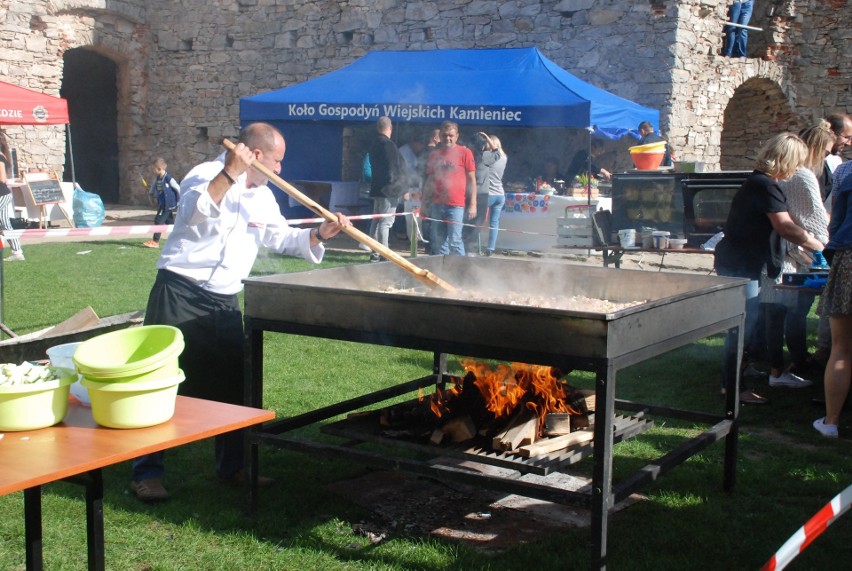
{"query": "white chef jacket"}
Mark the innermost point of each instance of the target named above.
(216, 246)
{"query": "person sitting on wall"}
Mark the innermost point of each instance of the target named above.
(736, 37)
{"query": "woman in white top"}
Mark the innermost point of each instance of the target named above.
(787, 311)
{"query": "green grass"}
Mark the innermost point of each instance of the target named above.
(785, 473)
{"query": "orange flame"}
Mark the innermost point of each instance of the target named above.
(439, 401)
(506, 386)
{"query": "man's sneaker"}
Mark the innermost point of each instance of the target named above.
(789, 380)
(151, 490)
(151, 244)
(827, 430)
(364, 247)
(16, 257)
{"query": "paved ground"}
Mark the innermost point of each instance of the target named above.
(117, 215)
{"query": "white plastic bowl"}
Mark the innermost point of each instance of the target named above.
(677, 243)
(63, 356)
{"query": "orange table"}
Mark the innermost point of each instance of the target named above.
(78, 448)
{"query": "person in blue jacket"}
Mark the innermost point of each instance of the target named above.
(166, 191)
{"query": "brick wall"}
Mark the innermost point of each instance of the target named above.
(183, 66)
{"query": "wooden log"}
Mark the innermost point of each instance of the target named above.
(549, 445)
(460, 428)
(579, 421)
(557, 423)
(437, 436)
(582, 399)
(521, 431)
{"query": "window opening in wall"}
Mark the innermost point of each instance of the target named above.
(89, 84)
(186, 45)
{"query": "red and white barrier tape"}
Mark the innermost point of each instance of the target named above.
(806, 534)
(31, 235)
(37, 235)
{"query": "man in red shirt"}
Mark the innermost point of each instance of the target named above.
(451, 186)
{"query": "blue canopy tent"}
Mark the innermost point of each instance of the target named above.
(512, 87)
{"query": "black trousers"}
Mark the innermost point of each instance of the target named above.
(163, 216)
(212, 359)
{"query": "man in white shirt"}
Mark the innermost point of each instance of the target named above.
(226, 213)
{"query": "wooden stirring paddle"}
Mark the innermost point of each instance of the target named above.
(423, 276)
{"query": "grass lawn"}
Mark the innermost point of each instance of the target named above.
(786, 471)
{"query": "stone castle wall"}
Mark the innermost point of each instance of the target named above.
(182, 66)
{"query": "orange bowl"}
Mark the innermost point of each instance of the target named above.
(647, 161)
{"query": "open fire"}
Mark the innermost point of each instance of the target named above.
(526, 409)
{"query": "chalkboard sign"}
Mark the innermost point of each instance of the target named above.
(44, 188)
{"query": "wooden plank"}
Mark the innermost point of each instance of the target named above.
(557, 443)
(32, 347)
(83, 319)
(521, 431)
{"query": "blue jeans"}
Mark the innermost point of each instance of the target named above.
(737, 38)
(495, 210)
(447, 230)
(380, 227)
(752, 308)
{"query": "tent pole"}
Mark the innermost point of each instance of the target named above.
(71, 153)
(589, 180)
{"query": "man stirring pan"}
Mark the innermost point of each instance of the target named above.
(226, 213)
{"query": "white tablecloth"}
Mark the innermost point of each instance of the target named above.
(529, 220)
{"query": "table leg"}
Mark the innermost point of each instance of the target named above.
(613, 257)
(95, 520)
(32, 526)
(252, 396)
(602, 500)
(732, 402)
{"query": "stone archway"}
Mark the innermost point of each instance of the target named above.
(90, 87)
(121, 40)
(757, 110)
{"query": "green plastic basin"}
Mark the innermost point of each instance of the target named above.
(133, 405)
(34, 406)
(136, 354)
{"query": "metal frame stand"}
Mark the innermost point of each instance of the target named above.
(604, 495)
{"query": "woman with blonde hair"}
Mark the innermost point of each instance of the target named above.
(758, 208)
(6, 198)
(787, 312)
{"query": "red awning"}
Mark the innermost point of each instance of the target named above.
(20, 106)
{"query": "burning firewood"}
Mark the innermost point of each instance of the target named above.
(459, 429)
(582, 399)
(521, 430)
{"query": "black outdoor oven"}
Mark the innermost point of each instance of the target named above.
(692, 205)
